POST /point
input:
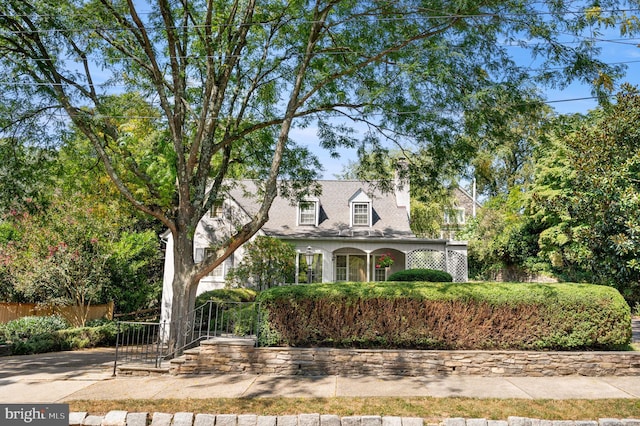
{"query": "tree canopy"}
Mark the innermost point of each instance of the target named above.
(588, 197)
(220, 83)
(578, 217)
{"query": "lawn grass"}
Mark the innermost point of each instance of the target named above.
(431, 409)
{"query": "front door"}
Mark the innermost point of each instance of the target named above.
(351, 267)
(357, 268)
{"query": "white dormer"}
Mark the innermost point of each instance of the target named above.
(308, 212)
(360, 209)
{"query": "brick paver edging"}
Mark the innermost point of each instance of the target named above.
(124, 418)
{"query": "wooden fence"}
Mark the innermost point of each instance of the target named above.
(12, 311)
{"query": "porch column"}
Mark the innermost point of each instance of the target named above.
(368, 266)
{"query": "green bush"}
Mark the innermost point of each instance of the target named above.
(66, 339)
(449, 316)
(89, 337)
(26, 327)
(425, 275)
(267, 336)
(230, 313)
(36, 344)
(227, 295)
(241, 320)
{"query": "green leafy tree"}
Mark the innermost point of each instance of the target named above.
(42, 200)
(76, 253)
(227, 80)
(267, 262)
(26, 172)
(588, 196)
(504, 134)
(552, 197)
(58, 259)
(503, 239)
(135, 271)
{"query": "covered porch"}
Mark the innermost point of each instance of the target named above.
(363, 261)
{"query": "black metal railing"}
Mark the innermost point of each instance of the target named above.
(140, 343)
(148, 343)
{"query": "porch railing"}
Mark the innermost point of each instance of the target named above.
(147, 343)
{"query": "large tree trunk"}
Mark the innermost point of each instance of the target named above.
(184, 293)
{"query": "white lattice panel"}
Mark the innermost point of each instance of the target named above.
(427, 259)
(454, 263)
(457, 266)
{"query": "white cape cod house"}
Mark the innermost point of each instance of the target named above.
(346, 230)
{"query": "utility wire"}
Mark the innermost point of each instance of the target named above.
(335, 113)
(415, 16)
(14, 83)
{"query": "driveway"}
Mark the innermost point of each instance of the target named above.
(52, 376)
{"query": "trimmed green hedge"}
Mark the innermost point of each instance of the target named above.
(227, 295)
(425, 275)
(448, 316)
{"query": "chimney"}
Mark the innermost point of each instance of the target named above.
(401, 185)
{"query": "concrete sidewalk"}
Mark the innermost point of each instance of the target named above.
(66, 376)
(252, 386)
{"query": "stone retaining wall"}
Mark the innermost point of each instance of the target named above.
(123, 418)
(221, 355)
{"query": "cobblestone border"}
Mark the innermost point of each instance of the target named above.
(124, 418)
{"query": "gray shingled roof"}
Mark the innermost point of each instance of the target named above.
(389, 221)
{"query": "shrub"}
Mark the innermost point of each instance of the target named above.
(66, 339)
(227, 295)
(229, 313)
(241, 320)
(425, 275)
(267, 262)
(267, 336)
(449, 316)
(26, 327)
(89, 337)
(36, 344)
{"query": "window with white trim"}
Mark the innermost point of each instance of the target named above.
(341, 268)
(360, 212)
(217, 209)
(307, 213)
(218, 271)
(454, 216)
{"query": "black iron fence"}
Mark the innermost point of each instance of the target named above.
(140, 343)
(150, 343)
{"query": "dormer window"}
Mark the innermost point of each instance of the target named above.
(360, 205)
(360, 214)
(216, 209)
(308, 213)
